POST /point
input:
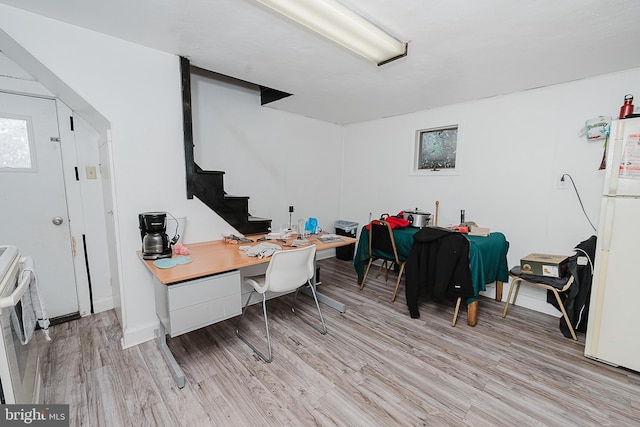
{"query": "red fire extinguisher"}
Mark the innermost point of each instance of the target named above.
(627, 107)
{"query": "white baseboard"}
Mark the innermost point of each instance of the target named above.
(536, 305)
(327, 253)
(103, 304)
(531, 298)
(134, 336)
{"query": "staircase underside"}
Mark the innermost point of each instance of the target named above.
(208, 186)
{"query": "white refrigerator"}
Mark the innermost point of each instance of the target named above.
(613, 332)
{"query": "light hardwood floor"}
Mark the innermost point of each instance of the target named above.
(375, 367)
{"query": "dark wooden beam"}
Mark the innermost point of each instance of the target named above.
(268, 95)
(187, 123)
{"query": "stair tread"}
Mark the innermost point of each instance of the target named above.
(207, 172)
(209, 188)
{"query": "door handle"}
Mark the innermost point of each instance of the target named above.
(57, 220)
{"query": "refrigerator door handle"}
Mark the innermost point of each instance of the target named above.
(605, 235)
(615, 167)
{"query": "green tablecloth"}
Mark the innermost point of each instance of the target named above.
(487, 256)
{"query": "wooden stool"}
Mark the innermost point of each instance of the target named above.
(550, 283)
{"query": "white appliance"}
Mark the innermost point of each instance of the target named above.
(20, 379)
(612, 332)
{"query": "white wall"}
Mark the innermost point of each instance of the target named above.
(512, 150)
(138, 91)
(277, 158)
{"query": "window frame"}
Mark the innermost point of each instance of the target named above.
(31, 141)
(415, 166)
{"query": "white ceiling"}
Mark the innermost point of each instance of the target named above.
(459, 50)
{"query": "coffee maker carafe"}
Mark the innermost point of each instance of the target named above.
(155, 242)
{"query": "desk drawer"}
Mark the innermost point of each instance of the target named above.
(206, 313)
(191, 305)
(194, 292)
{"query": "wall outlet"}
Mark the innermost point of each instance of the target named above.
(563, 182)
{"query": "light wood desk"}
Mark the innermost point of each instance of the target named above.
(208, 289)
(218, 257)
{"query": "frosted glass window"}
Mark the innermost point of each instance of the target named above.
(437, 149)
(15, 148)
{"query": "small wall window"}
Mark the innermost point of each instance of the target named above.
(436, 151)
(16, 150)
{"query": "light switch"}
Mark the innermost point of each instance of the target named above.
(91, 172)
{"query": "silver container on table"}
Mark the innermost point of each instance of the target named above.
(417, 218)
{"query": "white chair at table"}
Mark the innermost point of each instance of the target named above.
(288, 270)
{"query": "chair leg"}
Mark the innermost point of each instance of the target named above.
(564, 314)
(366, 273)
(455, 313)
(516, 283)
(266, 325)
(515, 295)
(322, 330)
(387, 267)
(386, 270)
(395, 291)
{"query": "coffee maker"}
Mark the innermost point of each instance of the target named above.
(155, 242)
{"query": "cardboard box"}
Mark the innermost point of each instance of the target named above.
(544, 265)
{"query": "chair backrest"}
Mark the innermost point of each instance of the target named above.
(381, 241)
(289, 269)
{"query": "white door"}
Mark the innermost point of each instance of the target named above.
(33, 207)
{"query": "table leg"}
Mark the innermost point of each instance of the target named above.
(472, 309)
(176, 370)
(321, 297)
(325, 299)
(331, 302)
(472, 313)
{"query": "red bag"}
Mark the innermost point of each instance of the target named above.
(396, 222)
(393, 221)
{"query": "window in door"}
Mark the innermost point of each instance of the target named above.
(16, 145)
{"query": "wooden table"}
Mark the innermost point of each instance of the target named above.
(205, 291)
(487, 261)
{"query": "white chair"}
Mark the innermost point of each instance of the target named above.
(288, 270)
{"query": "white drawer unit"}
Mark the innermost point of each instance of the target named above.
(184, 307)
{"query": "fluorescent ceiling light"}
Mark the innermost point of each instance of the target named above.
(341, 25)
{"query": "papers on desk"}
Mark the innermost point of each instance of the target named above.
(299, 242)
(261, 250)
(329, 238)
(276, 236)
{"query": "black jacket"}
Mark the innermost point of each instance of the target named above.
(438, 265)
(576, 299)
